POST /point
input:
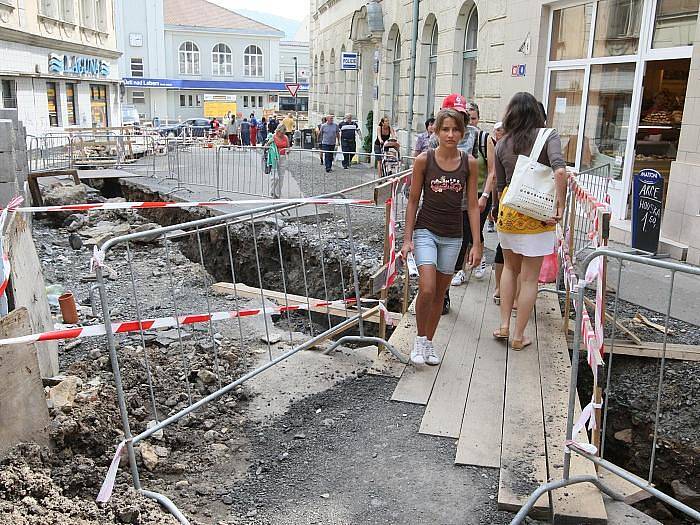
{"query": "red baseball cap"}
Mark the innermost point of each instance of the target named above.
(455, 101)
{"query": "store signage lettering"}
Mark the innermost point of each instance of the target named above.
(348, 61)
(648, 189)
(518, 70)
(77, 65)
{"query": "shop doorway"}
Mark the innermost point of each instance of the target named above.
(663, 97)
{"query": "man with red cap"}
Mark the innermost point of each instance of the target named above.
(459, 103)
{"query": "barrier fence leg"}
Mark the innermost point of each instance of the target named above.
(570, 229)
(387, 254)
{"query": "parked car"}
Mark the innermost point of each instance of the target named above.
(193, 127)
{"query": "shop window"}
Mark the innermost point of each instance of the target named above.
(71, 105)
(564, 111)
(617, 27)
(52, 96)
(190, 100)
(288, 104)
(98, 106)
(675, 23)
(245, 100)
(260, 102)
(253, 62)
(469, 55)
(137, 67)
(183, 101)
(9, 93)
(432, 70)
(571, 29)
(607, 117)
(221, 60)
(138, 97)
(198, 100)
(189, 58)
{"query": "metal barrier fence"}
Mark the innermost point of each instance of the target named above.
(52, 151)
(643, 481)
(596, 181)
(229, 170)
(305, 256)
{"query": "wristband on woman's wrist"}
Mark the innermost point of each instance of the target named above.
(485, 194)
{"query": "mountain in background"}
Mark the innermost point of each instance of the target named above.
(289, 26)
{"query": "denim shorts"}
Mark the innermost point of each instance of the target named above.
(441, 252)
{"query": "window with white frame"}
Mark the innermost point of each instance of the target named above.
(87, 13)
(221, 60)
(101, 16)
(469, 55)
(68, 11)
(675, 22)
(253, 61)
(432, 70)
(189, 58)
(138, 97)
(49, 8)
(137, 67)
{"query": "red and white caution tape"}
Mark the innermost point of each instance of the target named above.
(391, 271)
(108, 484)
(158, 205)
(11, 206)
(587, 418)
(163, 322)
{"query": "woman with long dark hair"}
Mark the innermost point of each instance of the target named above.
(525, 240)
(442, 177)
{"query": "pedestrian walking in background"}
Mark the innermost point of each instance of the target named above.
(329, 135)
(384, 133)
(318, 138)
(525, 240)
(234, 131)
(443, 178)
(423, 139)
(262, 131)
(253, 130)
(272, 124)
(245, 132)
(277, 145)
(289, 126)
(497, 135)
(349, 130)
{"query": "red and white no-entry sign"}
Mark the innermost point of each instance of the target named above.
(293, 89)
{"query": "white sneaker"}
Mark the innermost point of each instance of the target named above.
(459, 278)
(480, 270)
(429, 355)
(417, 352)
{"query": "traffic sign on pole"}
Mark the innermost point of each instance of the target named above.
(293, 89)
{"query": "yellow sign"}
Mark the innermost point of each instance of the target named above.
(219, 109)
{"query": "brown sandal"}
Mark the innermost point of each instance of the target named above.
(501, 333)
(519, 344)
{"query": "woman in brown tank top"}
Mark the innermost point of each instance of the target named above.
(441, 177)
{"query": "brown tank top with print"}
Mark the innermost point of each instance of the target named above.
(441, 211)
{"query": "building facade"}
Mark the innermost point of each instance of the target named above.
(179, 53)
(59, 65)
(615, 77)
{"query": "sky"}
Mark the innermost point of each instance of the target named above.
(295, 9)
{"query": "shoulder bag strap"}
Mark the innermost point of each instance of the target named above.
(540, 142)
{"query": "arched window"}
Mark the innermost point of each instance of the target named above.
(253, 62)
(469, 55)
(322, 85)
(314, 76)
(432, 70)
(221, 63)
(332, 88)
(189, 58)
(396, 78)
(344, 103)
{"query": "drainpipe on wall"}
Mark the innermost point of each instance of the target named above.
(412, 79)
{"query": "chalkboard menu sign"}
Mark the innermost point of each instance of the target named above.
(647, 195)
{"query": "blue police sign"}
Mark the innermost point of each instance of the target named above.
(648, 190)
(349, 61)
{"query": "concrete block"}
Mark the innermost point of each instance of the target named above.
(24, 415)
(10, 114)
(7, 191)
(7, 136)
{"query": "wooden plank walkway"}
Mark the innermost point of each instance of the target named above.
(507, 409)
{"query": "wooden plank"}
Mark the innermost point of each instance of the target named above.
(580, 503)
(609, 318)
(21, 390)
(482, 426)
(28, 289)
(445, 409)
(652, 349)
(417, 382)
(629, 491)
(402, 339)
(523, 461)
(292, 300)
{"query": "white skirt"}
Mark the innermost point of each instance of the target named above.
(528, 244)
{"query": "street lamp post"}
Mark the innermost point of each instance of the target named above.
(296, 93)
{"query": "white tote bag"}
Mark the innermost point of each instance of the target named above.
(532, 189)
